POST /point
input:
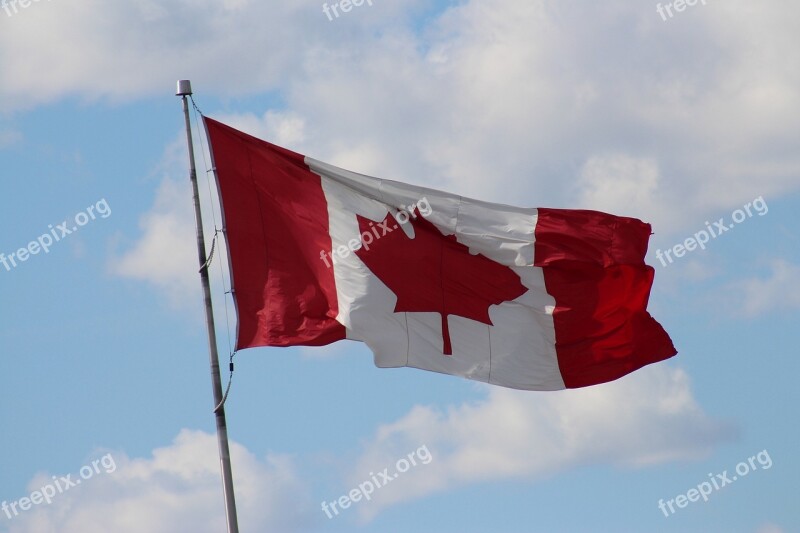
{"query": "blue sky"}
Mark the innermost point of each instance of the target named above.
(537, 103)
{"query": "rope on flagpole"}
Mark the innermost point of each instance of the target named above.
(211, 253)
(228, 388)
(217, 231)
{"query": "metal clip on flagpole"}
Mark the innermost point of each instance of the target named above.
(184, 91)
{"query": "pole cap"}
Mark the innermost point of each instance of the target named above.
(184, 88)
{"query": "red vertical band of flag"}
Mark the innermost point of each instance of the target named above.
(276, 221)
(594, 268)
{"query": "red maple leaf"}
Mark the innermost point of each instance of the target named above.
(434, 272)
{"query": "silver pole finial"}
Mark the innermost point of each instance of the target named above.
(184, 88)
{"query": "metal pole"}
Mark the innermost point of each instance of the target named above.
(184, 90)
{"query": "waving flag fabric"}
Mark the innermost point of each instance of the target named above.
(537, 299)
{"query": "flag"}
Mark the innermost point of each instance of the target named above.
(535, 299)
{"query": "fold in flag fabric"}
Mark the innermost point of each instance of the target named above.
(536, 299)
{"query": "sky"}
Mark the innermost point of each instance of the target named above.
(685, 116)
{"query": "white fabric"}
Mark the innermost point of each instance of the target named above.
(517, 351)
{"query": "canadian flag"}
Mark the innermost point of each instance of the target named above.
(536, 299)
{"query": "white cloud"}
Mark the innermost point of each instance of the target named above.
(622, 185)
(285, 129)
(166, 253)
(95, 49)
(532, 103)
(776, 292)
(770, 528)
(120, 51)
(646, 418)
(176, 490)
(558, 104)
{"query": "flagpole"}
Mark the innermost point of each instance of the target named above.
(184, 91)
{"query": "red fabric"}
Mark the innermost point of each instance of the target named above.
(594, 268)
(276, 221)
